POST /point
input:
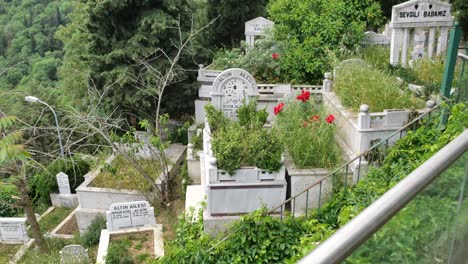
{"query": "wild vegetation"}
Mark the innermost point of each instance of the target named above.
(266, 239)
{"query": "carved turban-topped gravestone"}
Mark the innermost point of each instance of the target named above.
(256, 27)
(416, 15)
(130, 215)
(230, 89)
(74, 254)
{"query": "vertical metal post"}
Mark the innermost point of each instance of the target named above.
(454, 40)
(320, 196)
(281, 213)
(359, 169)
(307, 203)
(294, 207)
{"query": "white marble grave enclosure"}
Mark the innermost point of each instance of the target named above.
(130, 215)
(417, 15)
(13, 230)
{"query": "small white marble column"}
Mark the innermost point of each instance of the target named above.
(395, 46)
(442, 42)
(430, 45)
(327, 82)
(364, 117)
(404, 48)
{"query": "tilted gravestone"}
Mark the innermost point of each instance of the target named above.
(372, 38)
(230, 89)
(74, 254)
(13, 230)
(256, 27)
(63, 183)
(130, 215)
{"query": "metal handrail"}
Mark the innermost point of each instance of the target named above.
(359, 157)
(341, 244)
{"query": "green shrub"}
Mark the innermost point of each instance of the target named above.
(6, 194)
(307, 135)
(44, 182)
(118, 253)
(245, 142)
(259, 60)
(358, 84)
(93, 232)
(308, 29)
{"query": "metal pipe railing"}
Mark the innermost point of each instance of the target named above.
(348, 238)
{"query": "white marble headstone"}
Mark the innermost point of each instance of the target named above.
(73, 254)
(63, 183)
(130, 215)
(231, 88)
(13, 230)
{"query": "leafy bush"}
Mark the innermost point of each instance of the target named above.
(263, 61)
(44, 182)
(308, 29)
(118, 252)
(93, 232)
(245, 142)
(358, 84)
(307, 134)
(6, 195)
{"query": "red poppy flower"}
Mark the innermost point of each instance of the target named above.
(305, 124)
(304, 96)
(278, 108)
(275, 56)
(315, 118)
(330, 119)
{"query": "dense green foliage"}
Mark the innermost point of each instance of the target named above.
(29, 53)
(108, 44)
(306, 134)
(254, 240)
(258, 61)
(310, 29)
(244, 143)
(230, 15)
(7, 192)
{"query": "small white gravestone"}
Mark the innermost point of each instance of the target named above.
(130, 215)
(63, 183)
(417, 14)
(13, 230)
(256, 27)
(74, 254)
(230, 88)
(372, 38)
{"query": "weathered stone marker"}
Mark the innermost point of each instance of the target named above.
(130, 215)
(63, 183)
(74, 254)
(13, 230)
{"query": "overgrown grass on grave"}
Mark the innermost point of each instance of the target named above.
(121, 174)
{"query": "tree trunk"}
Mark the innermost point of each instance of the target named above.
(25, 201)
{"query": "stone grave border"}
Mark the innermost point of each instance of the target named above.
(94, 200)
(104, 241)
(59, 226)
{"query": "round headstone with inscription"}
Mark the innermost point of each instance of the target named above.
(231, 88)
